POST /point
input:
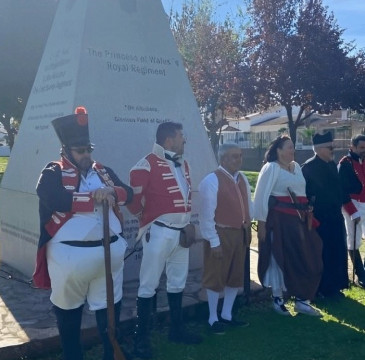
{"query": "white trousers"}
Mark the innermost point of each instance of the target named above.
(162, 250)
(350, 226)
(78, 274)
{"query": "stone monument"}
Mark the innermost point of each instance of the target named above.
(119, 60)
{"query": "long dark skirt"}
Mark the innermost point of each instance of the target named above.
(334, 255)
(297, 251)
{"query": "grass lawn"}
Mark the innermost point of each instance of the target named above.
(3, 164)
(339, 335)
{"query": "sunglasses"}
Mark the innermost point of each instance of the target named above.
(81, 151)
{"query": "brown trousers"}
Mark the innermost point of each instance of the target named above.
(228, 271)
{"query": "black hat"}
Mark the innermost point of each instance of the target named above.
(72, 130)
(322, 139)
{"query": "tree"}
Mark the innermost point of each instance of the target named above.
(297, 55)
(24, 28)
(213, 58)
(353, 94)
(307, 134)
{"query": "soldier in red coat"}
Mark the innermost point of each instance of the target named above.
(70, 258)
(352, 176)
(162, 202)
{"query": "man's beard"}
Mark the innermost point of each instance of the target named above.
(84, 164)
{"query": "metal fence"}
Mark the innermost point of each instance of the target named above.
(261, 140)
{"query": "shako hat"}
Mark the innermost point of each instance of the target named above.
(319, 139)
(73, 130)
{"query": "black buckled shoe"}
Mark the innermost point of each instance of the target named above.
(234, 322)
(218, 328)
(361, 282)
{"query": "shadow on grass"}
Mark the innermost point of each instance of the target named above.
(346, 310)
(338, 335)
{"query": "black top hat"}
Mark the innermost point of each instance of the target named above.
(72, 130)
(322, 139)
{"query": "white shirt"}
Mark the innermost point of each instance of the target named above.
(273, 180)
(88, 226)
(208, 191)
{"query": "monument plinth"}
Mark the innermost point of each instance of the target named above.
(118, 59)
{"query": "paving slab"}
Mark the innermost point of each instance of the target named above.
(28, 325)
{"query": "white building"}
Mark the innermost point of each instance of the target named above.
(259, 129)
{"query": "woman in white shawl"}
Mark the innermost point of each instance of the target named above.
(290, 250)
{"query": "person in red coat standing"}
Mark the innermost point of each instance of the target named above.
(70, 257)
(352, 175)
(162, 202)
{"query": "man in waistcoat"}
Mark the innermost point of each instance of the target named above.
(162, 202)
(70, 257)
(225, 221)
(352, 175)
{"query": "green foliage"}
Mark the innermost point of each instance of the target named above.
(282, 131)
(213, 57)
(252, 178)
(3, 164)
(298, 58)
(307, 134)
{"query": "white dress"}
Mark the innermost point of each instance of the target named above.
(274, 180)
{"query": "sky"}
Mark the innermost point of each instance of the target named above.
(350, 15)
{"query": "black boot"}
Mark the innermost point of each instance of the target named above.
(102, 323)
(69, 327)
(358, 265)
(178, 332)
(142, 345)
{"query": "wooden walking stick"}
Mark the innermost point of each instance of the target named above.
(353, 254)
(118, 354)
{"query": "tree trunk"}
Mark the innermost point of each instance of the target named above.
(291, 124)
(214, 140)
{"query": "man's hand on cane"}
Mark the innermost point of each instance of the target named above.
(105, 193)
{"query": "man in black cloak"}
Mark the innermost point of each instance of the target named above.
(324, 190)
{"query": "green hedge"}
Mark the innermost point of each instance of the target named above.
(3, 164)
(252, 178)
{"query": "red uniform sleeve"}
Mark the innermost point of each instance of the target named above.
(123, 192)
(122, 195)
(139, 179)
(350, 208)
(82, 202)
